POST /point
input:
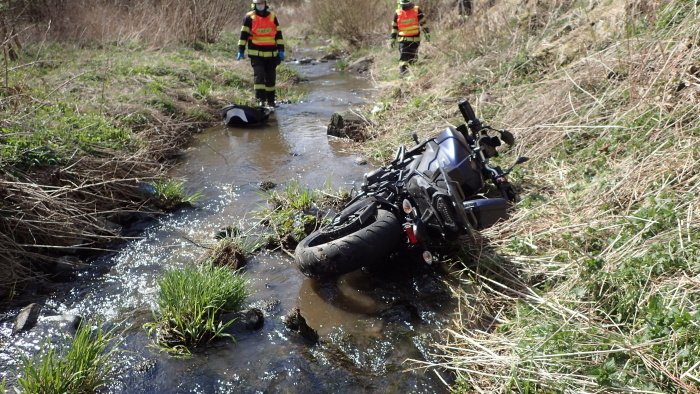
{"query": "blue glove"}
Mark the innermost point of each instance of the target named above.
(280, 54)
(240, 56)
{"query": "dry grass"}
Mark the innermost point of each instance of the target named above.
(153, 22)
(592, 286)
(357, 22)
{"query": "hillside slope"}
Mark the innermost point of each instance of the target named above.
(594, 285)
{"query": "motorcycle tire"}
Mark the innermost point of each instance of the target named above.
(346, 247)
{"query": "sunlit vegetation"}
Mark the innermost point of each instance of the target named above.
(171, 194)
(84, 365)
(589, 287)
(191, 304)
(296, 211)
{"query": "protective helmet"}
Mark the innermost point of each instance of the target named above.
(405, 2)
(261, 1)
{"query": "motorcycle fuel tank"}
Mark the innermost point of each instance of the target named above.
(450, 150)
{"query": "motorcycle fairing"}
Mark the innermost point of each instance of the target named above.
(450, 151)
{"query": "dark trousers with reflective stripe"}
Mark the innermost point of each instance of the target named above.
(265, 72)
(409, 53)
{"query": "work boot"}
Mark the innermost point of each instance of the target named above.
(271, 99)
(403, 70)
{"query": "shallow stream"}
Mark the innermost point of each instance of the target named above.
(369, 325)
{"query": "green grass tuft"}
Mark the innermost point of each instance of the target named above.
(295, 211)
(83, 366)
(191, 302)
(170, 194)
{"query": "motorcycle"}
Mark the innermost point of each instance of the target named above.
(427, 198)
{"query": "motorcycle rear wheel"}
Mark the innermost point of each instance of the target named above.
(345, 247)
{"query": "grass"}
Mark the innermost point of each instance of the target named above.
(53, 134)
(191, 302)
(82, 366)
(233, 250)
(170, 194)
(591, 286)
(297, 211)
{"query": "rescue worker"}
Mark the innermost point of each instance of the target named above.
(263, 37)
(409, 20)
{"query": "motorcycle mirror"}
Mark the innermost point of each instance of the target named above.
(520, 160)
(507, 137)
(415, 138)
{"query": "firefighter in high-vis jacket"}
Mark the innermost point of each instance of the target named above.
(409, 20)
(263, 37)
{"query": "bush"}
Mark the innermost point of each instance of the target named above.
(191, 302)
(358, 22)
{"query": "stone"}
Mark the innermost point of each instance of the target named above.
(68, 321)
(26, 318)
(267, 185)
(361, 161)
(361, 65)
(296, 322)
(347, 124)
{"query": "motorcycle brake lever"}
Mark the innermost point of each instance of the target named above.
(507, 137)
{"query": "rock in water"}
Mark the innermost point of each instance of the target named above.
(361, 65)
(296, 322)
(347, 124)
(27, 318)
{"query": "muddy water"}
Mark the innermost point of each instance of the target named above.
(369, 323)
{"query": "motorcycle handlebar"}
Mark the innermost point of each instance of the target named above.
(469, 116)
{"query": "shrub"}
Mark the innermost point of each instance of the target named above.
(358, 22)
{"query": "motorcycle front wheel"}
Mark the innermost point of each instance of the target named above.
(362, 239)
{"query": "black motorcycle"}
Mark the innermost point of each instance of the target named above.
(426, 199)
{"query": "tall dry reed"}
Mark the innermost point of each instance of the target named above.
(155, 22)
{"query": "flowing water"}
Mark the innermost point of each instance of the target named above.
(368, 324)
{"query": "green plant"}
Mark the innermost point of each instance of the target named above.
(83, 366)
(164, 104)
(53, 134)
(233, 250)
(170, 194)
(297, 211)
(203, 89)
(191, 302)
(199, 114)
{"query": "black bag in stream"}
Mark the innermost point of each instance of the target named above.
(244, 115)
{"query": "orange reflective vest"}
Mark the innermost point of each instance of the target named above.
(407, 21)
(263, 30)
